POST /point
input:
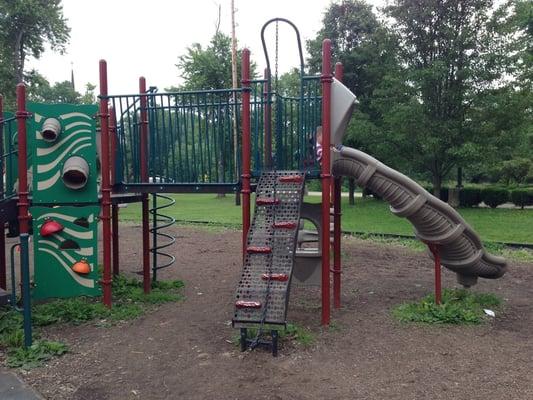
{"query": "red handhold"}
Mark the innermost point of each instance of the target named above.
(275, 277)
(266, 201)
(284, 225)
(291, 179)
(50, 227)
(258, 249)
(247, 304)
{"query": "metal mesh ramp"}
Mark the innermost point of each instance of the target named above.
(263, 291)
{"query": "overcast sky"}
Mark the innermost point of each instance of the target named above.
(139, 37)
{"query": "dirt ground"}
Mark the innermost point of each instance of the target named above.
(184, 350)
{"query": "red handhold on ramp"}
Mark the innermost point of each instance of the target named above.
(259, 250)
(291, 179)
(284, 225)
(247, 304)
(266, 201)
(275, 277)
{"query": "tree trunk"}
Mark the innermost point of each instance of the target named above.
(351, 190)
(18, 55)
(437, 185)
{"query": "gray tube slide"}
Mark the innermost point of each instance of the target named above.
(434, 220)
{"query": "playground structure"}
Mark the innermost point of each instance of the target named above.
(184, 142)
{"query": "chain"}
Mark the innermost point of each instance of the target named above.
(276, 59)
(255, 342)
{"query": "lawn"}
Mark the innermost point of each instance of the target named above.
(368, 215)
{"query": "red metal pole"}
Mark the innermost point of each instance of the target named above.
(144, 178)
(326, 80)
(246, 167)
(268, 120)
(114, 209)
(3, 277)
(337, 223)
(434, 248)
(106, 186)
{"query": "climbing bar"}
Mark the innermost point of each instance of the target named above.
(266, 201)
(247, 304)
(284, 225)
(259, 250)
(275, 277)
(291, 179)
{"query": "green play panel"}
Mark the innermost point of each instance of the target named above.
(77, 138)
(55, 255)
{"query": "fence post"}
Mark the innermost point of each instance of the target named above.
(246, 172)
(143, 154)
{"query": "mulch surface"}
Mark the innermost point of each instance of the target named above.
(185, 350)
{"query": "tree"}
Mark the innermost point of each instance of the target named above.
(452, 52)
(210, 67)
(368, 52)
(25, 27)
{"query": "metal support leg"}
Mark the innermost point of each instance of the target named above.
(26, 295)
(244, 339)
(274, 343)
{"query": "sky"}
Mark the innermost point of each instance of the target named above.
(145, 38)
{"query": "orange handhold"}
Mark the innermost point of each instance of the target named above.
(82, 267)
(247, 304)
(275, 277)
(284, 225)
(49, 227)
(266, 201)
(258, 249)
(291, 179)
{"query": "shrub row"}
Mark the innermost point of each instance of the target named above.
(491, 196)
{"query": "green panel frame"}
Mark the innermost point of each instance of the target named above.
(53, 275)
(77, 138)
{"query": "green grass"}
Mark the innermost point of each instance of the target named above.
(368, 215)
(459, 306)
(129, 302)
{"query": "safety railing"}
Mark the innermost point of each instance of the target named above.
(191, 137)
(9, 154)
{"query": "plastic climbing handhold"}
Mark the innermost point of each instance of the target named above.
(247, 304)
(50, 227)
(275, 277)
(81, 267)
(291, 179)
(284, 225)
(266, 201)
(259, 249)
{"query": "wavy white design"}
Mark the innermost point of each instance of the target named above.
(74, 114)
(89, 283)
(48, 183)
(75, 124)
(56, 246)
(79, 235)
(47, 167)
(51, 149)
(64, 217)
(85, 252)
(38, 117)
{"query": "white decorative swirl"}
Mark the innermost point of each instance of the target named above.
(51, 149)
(89, 283)
(64, 217)
(48, 183)
(38, 117)
(75, 124)
(55, 246)
(74, 114)
(79, 235)
(85, 251)
(47, 167)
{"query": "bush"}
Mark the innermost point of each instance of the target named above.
(469, 197)
(522, 197)
(493, 197)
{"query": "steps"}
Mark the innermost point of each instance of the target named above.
(263, 291)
